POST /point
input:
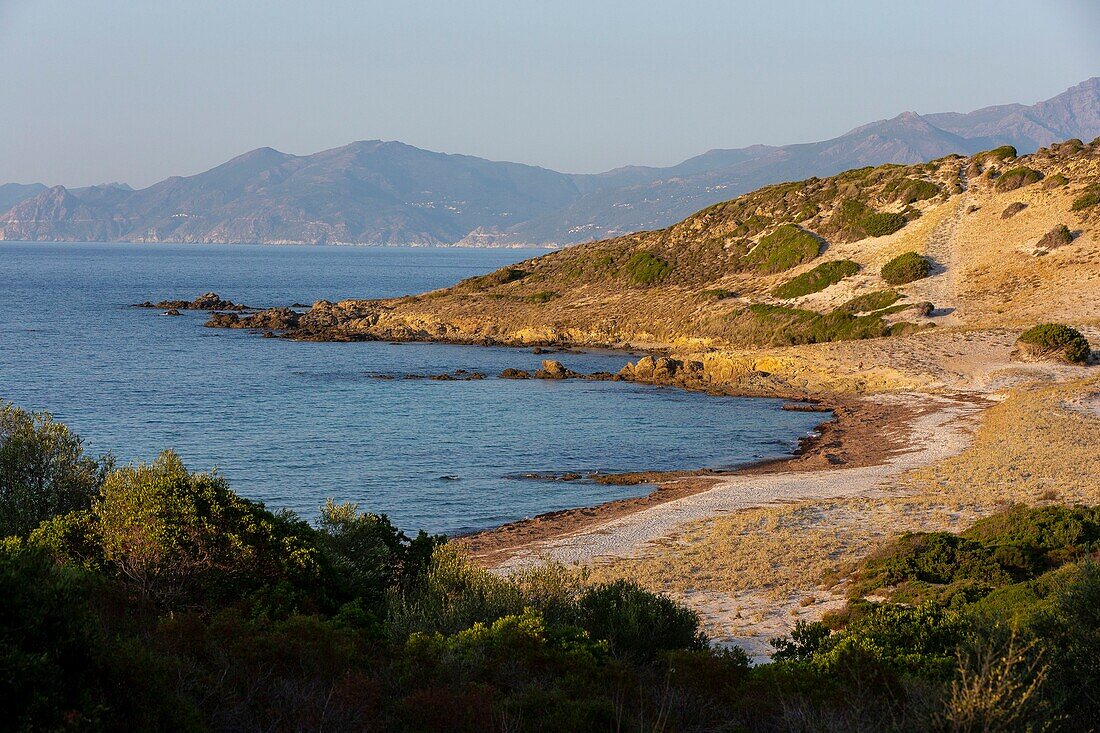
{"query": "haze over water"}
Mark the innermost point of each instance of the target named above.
(292, 423)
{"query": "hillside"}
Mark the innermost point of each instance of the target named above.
(389, 193)
(795, 263)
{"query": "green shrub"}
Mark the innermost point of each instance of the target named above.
(368, 555)
(1057, 338)
(62, 670)
(905, 268)
(1016, 545)
(911, 190)
(895, 639)
(503, 276)
(937, 558)
(644, 268)
(775, 325)
(870, 302)
(857, 220)
(786, 247)
(1002, 153)
(1089, 197)
(183, 540)
(817, 279)
(1018, 177)
(638, 624)
(1069, 629)
(1055, 181)
(43, 470)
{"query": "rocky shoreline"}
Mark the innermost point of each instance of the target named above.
(205, 302)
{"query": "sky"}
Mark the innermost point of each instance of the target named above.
(95, 91)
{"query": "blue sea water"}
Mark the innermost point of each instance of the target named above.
(291, 423)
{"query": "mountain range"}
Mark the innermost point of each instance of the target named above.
(390, 193)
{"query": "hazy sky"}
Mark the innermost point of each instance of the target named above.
(136, 90)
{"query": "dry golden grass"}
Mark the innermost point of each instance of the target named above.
(1035, 446)
(1040, 445)
(776, 551)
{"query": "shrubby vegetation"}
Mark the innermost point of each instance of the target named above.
(1018, 177)
(503, 276)
(871, 302)
(1002, 153)
(159, 600)
(911, 190)
(1055, 181)
(817, 279)
(644, 268)
(1056, 339)
(1059, 236)
(718, 294)
(856, 220)
(1089, 197)
(776, 325)
(905, 268)
(788, 246)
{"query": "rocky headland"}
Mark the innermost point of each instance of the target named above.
(951, 341)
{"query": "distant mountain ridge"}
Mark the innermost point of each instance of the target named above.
(389, 193)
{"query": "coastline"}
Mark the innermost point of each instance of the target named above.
(859, 433)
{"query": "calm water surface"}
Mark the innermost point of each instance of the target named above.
(293, 423)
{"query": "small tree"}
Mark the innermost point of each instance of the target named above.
(43, 470)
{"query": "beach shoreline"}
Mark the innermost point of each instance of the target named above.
(859, 433)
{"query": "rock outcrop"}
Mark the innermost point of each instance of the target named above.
(205, 302)
(271, 319)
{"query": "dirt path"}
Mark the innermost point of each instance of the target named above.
(940, 288)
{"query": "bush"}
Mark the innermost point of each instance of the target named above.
(644, 269)
(1056, 181)
(887, 640)
(638, 624)
(817, 279)
(1069, 628)
(1002, 153)
(871, 302)
(911, 190)
(718, 294)
(1089, 197)
(857, 220)
(1059, 236)
(936, 558)
(503, 276)
(1013, 209)
(786, 247)
(43, 470)
(61, 669)
(905, 268)
(183, 540)
(368, 554)
(775, 325)
(1018, 177)
(1056, 339)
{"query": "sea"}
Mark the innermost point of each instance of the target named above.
(292, 424)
